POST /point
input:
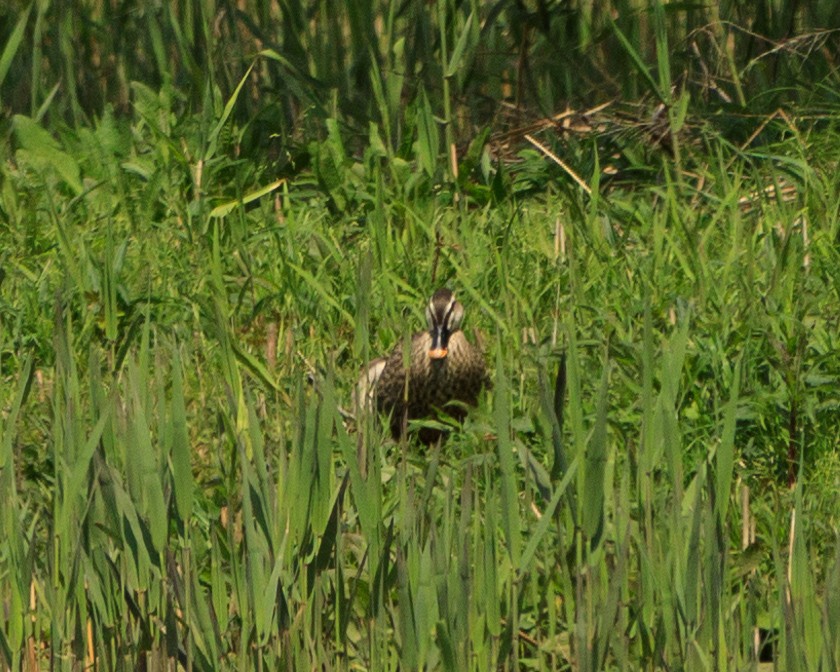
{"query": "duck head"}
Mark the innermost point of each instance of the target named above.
(443, 317)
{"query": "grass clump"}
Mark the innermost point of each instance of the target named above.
(184, 309)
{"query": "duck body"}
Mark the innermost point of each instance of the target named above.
(442, 367)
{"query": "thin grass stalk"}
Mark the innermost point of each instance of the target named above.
(12, 549)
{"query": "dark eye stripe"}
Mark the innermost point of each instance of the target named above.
(449, 309)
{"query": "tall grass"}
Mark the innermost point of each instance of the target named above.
(173, 494)
(184, 311)
(476, 62)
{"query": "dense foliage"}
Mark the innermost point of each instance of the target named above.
(212, 214)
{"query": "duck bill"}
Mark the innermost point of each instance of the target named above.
(438, 349)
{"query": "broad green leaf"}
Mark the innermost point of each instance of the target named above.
(226, 208)
(509, 499)
(595, 464)
(13, 43)
(428, 137)
(460, 47)
(212, 145)
(40, 149)
(182, 475)
(637, 60)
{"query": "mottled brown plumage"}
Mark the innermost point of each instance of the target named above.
(442, 367)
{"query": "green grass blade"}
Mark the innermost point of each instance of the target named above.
(13, 43)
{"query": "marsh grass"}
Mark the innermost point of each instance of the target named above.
(184, 310)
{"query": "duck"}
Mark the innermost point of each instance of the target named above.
(442, 367)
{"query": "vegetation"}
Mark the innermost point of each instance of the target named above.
(212, 214)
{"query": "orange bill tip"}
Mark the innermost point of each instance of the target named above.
(437, 353)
